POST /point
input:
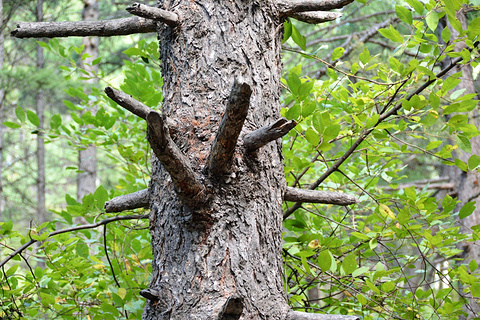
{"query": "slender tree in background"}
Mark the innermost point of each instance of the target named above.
(40, 106)
(2, 111)
(87, 158)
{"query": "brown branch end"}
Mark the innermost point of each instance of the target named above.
(153, 13)
(316, 196)
(139, 199)
(127, 102)
(260, 137)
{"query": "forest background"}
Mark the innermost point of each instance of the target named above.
(407, 250)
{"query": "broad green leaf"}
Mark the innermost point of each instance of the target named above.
(446, 34)
(12, 125)
(365, 56)
(134, 52)
(82, 249)
(473, 30)
(287, 30)
(432, 20)
(324, 260)
(300, 40)
(473, 161)
(404, 14)
(312, 137)
(349, 263)
(20, 113)
(33, 118)
(467, 209)
(337, 53)
(55, 121)
(416, 5)
(391, 34)
(101, 195)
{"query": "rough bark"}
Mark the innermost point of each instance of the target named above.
(315, 16)
(288, 7)
(200, 265)
(139, 199)
(316, 196)
(153, 13)
(87, 158)
(103, 28)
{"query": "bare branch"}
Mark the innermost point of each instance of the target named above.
(188, 185)
(316, 196)
(101, 28)
(223, 148)
(139, 199)
(260, 137)
(127, 102)
(76, 228)
(287, 7)
(153, 13)
(315, 17)
(296, 315)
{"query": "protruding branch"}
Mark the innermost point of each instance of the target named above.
(139, 199)
(316, 196)
(315, 16)
(260, 137)
(101, 28)
(127, 102)
(189, 186)
(153, 13)
(296, 315)
(223, 147)
(288, 7)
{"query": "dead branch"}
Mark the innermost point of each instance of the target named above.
(296, 315)
(139, 199)
(288, 7)
(315, 17)
(76, 228)
(127, 102)
(101, 28)
(260, 137)
(441, 183)
(153, 13)
(316, 196)
(223, 148)
(188, 185)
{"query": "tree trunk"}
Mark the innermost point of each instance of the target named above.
(87, 158)
(221, 260)
(466, 184)
(2, 110)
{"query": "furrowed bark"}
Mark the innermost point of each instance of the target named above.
(127, 102)
(153, 13)
(288, 7)
(189, 187)
(102, 28)
(260, 137)
(223, 147)
(296, 315)
(315, 17)
(136, 200)
(316, 196)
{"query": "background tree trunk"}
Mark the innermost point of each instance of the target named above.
(87, 158)
(2, 107)
(214, 262)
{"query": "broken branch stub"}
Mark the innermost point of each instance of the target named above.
(153, 13)
(101, 28)
(297, 315)
(189, 187)
(316, 196)
(289, 7)
(136, 200)
(127, 102)
(223, 148)
(260, 137)
(315, 17)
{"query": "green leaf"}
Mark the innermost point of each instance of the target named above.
(364, 56)
(101, 195)
(325, 260)
(20, 113)
(349, 264)
(312, 137)
(475, 289)
(294, 82)
(287, 30)
(404, 14)
(33, 118)
(461, 165)
(416, 5)
(473, 30)
(293, 113)
(12, 125)
(464, 143)
(82, 249)
(337, 53)
(134, 52)
(56, 121)
(391, 34)
(467, 209)
(432, 20)
(473, 265)
(385, 211)
(300, 40)
(473, 161)
(446, 34)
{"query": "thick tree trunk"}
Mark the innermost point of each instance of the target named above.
(214, 262)
(87, 158)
